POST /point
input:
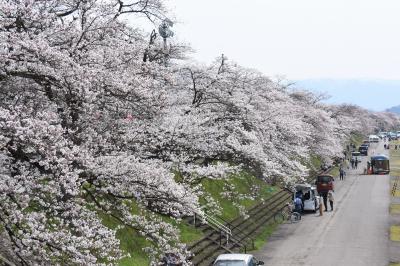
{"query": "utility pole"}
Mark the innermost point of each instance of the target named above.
(165, 32)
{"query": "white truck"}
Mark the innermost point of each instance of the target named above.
(373, 138)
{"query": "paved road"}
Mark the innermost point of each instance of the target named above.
(355, 233)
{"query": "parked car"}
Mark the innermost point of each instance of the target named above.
(363, 150)
(324, 183)
(364, 146)
(392, 136)
(237, 260)
(308, 195)
(373, 138)
(382, 135)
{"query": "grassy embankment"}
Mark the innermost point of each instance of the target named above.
(133, 243)
(395, 163)
(395, 172)
(395, 233)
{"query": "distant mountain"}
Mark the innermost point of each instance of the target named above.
(372, 94)
(394, 109)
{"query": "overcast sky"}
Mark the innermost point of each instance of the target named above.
(307, 39)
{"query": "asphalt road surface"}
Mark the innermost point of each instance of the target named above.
(355, 233)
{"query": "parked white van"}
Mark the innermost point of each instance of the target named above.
(309, 196)
(373, 138)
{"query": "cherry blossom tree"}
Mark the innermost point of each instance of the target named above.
(92, 123)
(74, 87)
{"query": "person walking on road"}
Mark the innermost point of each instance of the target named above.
(298, 205)
(352, 163)
(331, 199)
(355, 163)
(320, 206)
(324, 195)
(341, 174)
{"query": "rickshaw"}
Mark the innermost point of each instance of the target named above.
(380, 164)
(308, 194)
(324, 183)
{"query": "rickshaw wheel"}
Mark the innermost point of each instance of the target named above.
(295, 217)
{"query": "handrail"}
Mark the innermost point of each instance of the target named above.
(217, 223)
(213, 222)
(236, 238)
(236, 228)
(274, 210)
(234, 232)
(238, 233)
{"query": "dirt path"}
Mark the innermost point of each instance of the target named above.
(355, 233)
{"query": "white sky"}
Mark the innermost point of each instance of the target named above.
(300, 39)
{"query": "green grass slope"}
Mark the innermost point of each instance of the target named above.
(232, 197)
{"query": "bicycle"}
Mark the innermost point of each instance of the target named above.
(287, 214)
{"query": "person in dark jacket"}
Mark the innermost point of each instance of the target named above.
(341, 173)
(298, 205)
(331, 199)
(324, 195)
